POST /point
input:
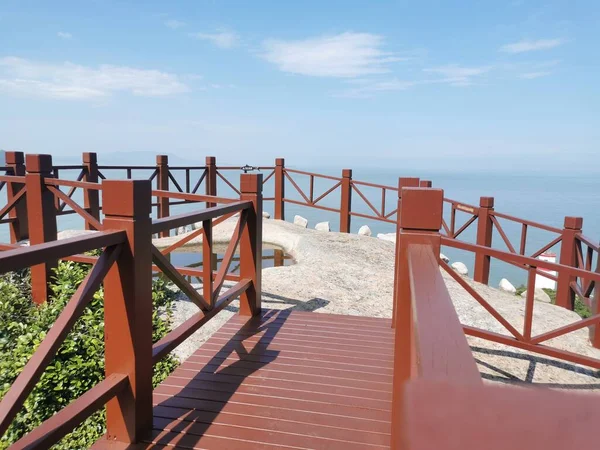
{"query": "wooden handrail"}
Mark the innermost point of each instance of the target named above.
(168, 223)
(194, 197)
(442, 351)
(454, 416)
(23, 257)
(520, 259)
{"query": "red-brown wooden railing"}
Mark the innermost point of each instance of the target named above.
(439, 400)
(125, 268)
(483, 219)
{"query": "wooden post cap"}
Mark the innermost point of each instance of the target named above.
(486, 202)
(573, 223)
(251, 183)
(126, 198)
(14, 157)
(38, 163)
(421, 209)
(90, 157)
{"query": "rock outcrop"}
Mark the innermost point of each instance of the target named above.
(300, 221)
(365, 231)
(507, 286)
(539, 295)
(461, 268)
(322, 226)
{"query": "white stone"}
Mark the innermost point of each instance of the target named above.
(300, 221)
(460, 268)
(538, 295)
(444, 258)
(507, 286)
(266, 215)
(180, 230)
(322, 226)
(391, 237)
(365, 231)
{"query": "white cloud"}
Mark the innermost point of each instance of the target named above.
(530, 46)
(367, 88)
(174, 24)
(72, 81)
(345, 55)
(222, 38)
(458, 75)
(533, 75)
(64, 35)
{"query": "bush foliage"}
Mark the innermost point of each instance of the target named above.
(580, 307)
(79, 362)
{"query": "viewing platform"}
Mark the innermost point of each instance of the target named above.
(282, 378)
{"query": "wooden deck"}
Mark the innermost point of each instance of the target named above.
(288, 379)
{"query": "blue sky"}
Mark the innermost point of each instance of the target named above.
(499, 85)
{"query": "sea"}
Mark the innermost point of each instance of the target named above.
(541, 198)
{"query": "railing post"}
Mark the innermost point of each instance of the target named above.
(565, 295)
(420, 220)
(162, 184)
(211, 178)
(41, 213)
(91, 197)
(128, 308)
(251, 244)
(346, 201)
(279, 189)
(485, 230)
(402, 183)
(15, 161)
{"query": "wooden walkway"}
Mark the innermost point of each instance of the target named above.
(288, 379)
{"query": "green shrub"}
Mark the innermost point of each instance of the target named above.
(580, 307)
(79, 362)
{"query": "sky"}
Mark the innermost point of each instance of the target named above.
(494, 85)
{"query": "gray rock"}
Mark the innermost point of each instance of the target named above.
(507, 286)
(365, 231)
(538, 295)
(460, 268)
(322, 226)
(300, 221)
(444, 258)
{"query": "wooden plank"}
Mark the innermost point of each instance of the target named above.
(326, 326)
(259, 436)
(271, 412)
(208, 390)
(275, 356)
(272, 424)
(245, 367)
(216, 382)
(308, 343)
(291, 353)
(233, 376)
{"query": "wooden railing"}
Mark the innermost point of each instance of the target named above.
(439, 400)
(125, 269)
(285, 183)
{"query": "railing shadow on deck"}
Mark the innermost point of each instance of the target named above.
(224, 380)
(534, 362)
